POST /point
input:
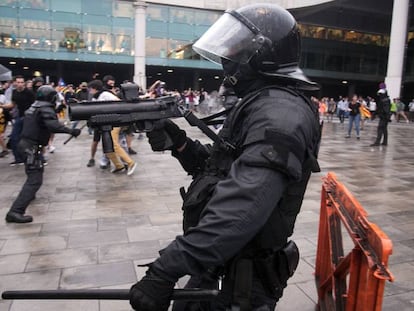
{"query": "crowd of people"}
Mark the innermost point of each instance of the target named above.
(247, 188)
(329, 108)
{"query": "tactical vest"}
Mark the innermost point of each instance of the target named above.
(275, 233)
(34, 129)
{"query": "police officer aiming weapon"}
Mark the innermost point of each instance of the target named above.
(247, 189)
(142, 113)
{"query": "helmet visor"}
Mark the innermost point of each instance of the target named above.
(228, 38)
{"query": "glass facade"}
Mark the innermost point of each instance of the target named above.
(67, 27)
(103, 31)
(104, 27)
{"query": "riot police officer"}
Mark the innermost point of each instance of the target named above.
(247, 189)
(383, 112)
(39, 122)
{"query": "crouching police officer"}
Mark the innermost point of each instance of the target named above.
(39, 122)
(247, 189)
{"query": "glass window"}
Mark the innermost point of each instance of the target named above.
(98, 42)
(335, 34)
(313, 60)
(182, 15)
(181, 50)
(9, 12)
(181, 31)
(34, 4)
(205, 18)
(334, 63)
(97, 7)
(123, 25)
(70, 39)
(96, 20)
(74, 6)
(8, 3)
(123, 44)
(123, 9)
(34, 14)
(157, 13)
(352, 64)
(157, 29)
(39, 39)
(61, 20)
(9, 36)
(156, 47)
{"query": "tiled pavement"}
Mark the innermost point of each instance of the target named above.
(91, 228)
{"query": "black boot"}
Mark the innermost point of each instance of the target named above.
(18, 218)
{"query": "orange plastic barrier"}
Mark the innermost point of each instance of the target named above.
(355, 281)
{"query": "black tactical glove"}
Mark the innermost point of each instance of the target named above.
(75, 132)
(152, 293)
(166, 135)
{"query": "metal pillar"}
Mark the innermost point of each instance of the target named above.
(398, 39)
(140, 37)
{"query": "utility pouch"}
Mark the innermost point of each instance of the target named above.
(196, 198)
(30, 153)
(33, 160)
(275, 269)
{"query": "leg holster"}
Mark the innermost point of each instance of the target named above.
(275, 269)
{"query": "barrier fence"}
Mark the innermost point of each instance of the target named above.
(354, 281)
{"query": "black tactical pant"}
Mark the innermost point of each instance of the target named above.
(382, 132)
(34, 173)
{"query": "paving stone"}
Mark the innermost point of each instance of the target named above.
(63, 258)
(80, 239)
(128, 251)
(92, 228)
(98, 275)
(33, 244)
(10, 264)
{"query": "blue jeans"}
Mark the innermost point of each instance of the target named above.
(15, 137)
(354, 119)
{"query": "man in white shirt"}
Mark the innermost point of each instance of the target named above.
(99, 94)
(343, 107)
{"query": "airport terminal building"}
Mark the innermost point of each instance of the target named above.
(345, 43)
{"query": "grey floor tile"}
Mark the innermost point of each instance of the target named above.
(154, 232)
(63, 259)
(92, 228)
(33, 244)
(80, 239)
(53, 305)
(128, 251)
(98, 275)
(10, 264)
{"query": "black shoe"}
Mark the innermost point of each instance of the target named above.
(131, 151)
(14, 163)
(118, 170)
(384, 144)
(18, 218)
(374, 144)
(91, 163)
(4, 153)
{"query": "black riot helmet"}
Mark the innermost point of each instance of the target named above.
(255, 40)
(46, 93)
